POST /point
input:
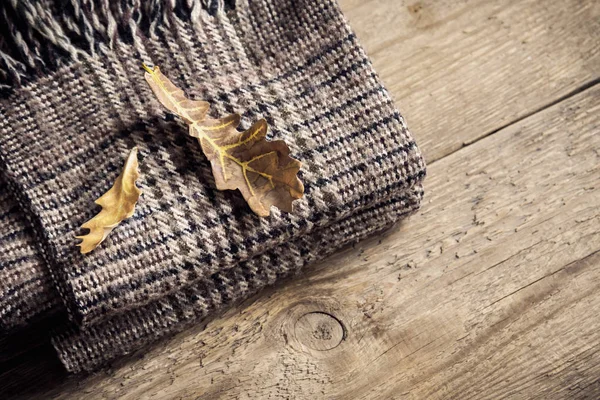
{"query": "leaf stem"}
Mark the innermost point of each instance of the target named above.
(147, 68)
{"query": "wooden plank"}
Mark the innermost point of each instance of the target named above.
(492, 291)
(462, 69)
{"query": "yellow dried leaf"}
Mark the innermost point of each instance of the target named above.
(261, 170)
(117, 204)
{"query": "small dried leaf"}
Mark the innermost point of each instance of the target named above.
(117, 204)
(261, 170)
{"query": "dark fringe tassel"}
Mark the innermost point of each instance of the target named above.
(39, 36)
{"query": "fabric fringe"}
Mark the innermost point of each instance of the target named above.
(39, 36)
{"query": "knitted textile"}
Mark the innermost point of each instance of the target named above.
(75, 101)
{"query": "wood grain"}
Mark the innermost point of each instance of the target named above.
(491, 292)
(460, 70)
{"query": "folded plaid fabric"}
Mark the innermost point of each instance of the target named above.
(76, 101)
(26, 289)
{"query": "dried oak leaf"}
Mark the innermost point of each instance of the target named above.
(261, 170)
(117, 204)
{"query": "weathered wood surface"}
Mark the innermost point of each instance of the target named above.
(493, 290)
(461, 69)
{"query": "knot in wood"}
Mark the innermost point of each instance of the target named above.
(319, 331)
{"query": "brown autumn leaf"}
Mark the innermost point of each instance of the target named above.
(262, 170)
(117, 204)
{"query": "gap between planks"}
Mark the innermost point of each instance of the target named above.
(552, 103)
(460, 70)
(426, 315)
(441, 60)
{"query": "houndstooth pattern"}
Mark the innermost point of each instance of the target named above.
(126, 333)
(189, 249)
(26, 290)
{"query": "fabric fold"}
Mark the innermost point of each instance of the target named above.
(27, 292)
(189, 250)
(126, 333)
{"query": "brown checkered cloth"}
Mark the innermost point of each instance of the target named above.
(75, 101)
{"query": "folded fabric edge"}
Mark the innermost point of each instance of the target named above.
(396, 186)
(27, 293)
(72, 303)
(88, 350)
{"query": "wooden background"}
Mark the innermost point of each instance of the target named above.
(491, 291)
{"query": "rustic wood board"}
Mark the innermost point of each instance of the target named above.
(460, 70)
(492, 291)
